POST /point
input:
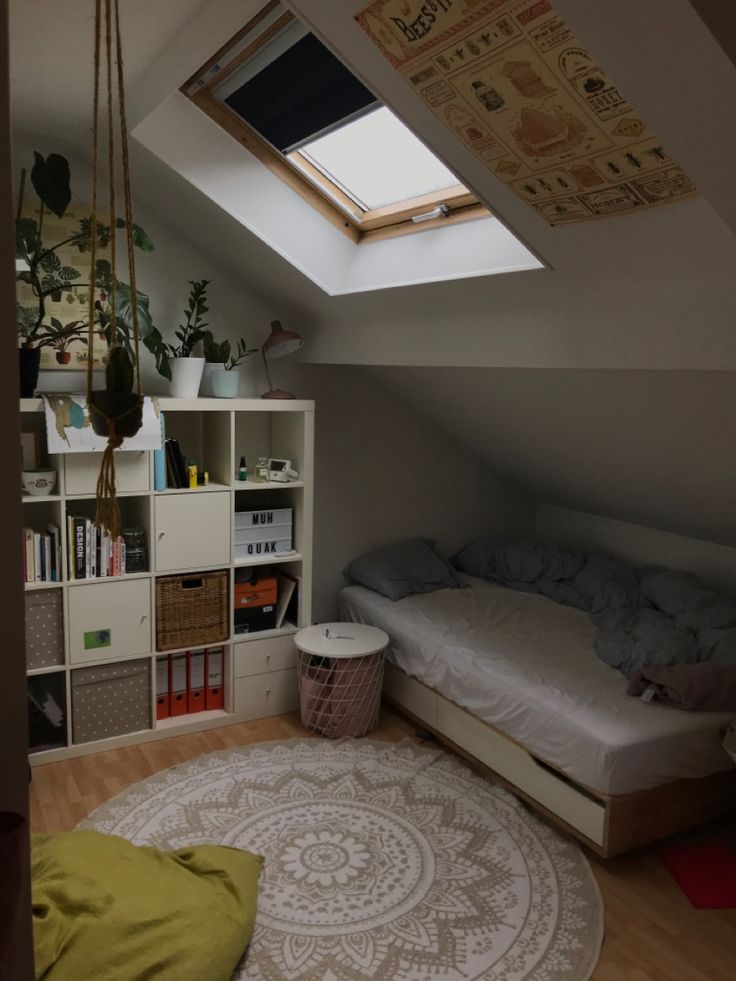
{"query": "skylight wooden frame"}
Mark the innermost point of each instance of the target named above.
(327, 197)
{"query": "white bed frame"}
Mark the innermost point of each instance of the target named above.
(609, 825)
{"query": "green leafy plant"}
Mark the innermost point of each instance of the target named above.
(42, 269)
(192, 331)
(215, 353)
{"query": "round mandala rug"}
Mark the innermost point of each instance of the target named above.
(383, 861)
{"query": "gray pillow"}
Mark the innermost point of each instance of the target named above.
(475, 557)
(404, 568)
(530, 561)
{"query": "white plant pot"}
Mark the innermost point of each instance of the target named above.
(186, 374)
(205, 389)
(225, 384)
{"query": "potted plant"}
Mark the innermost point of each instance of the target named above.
(186, 370)
(39, 267)
(224, 363)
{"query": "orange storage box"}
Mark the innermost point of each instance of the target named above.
(258, 592)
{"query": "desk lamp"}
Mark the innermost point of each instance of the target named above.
(277, 344)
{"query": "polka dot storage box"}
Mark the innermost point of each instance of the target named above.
(44, 629)
(111, 700)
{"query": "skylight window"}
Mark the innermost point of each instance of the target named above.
(377, 161)
(295, 106)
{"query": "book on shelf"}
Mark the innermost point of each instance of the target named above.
(42, 555)
(91, 553)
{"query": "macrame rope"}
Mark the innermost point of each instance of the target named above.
(93, 220)
(113, 338)
(108, 511)
(127, 198)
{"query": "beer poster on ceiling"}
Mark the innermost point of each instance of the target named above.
(517, 87)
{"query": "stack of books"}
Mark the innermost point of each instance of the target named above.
(42, 554)
(91, 553)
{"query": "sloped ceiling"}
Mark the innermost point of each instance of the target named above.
(648, 297)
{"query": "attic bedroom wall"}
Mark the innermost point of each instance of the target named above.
(382, 472)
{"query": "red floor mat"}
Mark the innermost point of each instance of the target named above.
(705, 871)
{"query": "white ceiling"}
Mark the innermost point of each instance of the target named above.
(51, 56)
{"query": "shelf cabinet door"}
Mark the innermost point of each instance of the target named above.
(109, 620)
(132, 472)
(192, 531)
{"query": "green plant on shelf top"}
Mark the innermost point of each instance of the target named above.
(222, 353)
(39, 266)
(192, 331)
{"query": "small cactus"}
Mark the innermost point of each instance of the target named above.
(119, 374)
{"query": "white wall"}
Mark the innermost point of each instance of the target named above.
(651, 447)
(384, 473)
(637, 545)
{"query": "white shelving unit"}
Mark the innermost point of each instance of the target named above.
(188, 531)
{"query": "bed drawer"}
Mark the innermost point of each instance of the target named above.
(516, 765)
(409, 693)
(498, 752)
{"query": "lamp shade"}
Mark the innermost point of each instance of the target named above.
(280, 341)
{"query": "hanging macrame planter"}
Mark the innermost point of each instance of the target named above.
(115, 412)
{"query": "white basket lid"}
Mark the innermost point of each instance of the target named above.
(341, 639)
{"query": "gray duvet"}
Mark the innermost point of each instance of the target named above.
(648, 616)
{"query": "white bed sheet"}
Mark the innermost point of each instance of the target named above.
(527, 666)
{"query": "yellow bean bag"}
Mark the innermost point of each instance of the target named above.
(107, 910)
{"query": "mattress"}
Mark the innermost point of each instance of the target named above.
(526, 665)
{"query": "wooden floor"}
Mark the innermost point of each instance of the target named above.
(652, 932)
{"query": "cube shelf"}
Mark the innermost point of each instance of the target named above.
(97, 636)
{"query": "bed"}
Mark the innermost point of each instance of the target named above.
(511, 680)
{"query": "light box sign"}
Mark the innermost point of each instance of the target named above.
(517, 87)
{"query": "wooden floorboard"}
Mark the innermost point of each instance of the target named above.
(652, 932)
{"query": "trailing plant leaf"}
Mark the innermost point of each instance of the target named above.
(50, 179)
(140, 239)
(154, 342)
(124, 309)
(69, 273)
(242, 352)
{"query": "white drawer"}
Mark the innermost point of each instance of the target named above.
(260, 656)
(192, 530)
(109, 620)
(132, 472)
(266, 694)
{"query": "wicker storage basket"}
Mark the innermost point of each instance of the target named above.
(192, 610)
